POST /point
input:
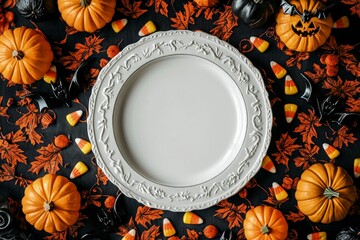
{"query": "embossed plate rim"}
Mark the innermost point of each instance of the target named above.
(250, 83)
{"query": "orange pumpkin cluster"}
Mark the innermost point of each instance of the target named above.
(332, 64)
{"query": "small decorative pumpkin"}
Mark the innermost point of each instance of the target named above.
(51, 203)
(325, 193)
(206, 3)
(349, 234)
(303, 25)
(265, 222)
(87, 15)
(254, 13)
(25, 55)
(36, 10)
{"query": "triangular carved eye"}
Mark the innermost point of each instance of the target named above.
(311, 25)
(299, 24)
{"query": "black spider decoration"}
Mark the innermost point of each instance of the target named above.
(330, 107)
(62, 93)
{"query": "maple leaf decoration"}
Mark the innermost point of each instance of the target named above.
(285, 148)
(49, 160)
(342, 88)
(145, 215)
(10, 150)
(160, 6)
(224, 25)
(131, 10)
(295, 217)
(231, 212)
(307, 126)
(7, 172)
(307, 156)
(28, 122)
(183, 19)
(152, 233)
(343, 137)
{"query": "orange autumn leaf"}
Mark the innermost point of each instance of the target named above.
(307, 156)
(160, 6)
(49, 160)
(71, 61)
(231, 213)
(3, 110)
(271, 197)
(297, 59)
(15, 137)
(319, 75)
(9, 3)
(11, 152)
(101, 177)
(353, 105)
(224, 25)
(91, 198)
(183, 19)
(307, 126)
(151, 234)
(295, 217)
(208, 12)
(145, 215)
(92, 44)
(191, 235)
(7, 172)
(355, 9)
(344, 137)
(285, 146)
(342, 88)
(132, 10)
(28, 122)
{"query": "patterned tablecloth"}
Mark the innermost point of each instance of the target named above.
(27, 150)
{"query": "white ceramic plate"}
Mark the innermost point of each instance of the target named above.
(179, 120)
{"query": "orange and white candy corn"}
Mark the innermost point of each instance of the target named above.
(290, 86)
(259, 43)
(317, 236)
(342, 22)
(357, 167)
(331, 151)
(51, 75)
(168, 228)
(148, 28)
(130, 235)
(118, 25)
(84, 145)
(290, 111)
(79, 169)
(278, 70)
(74, 117)
(192, 218)
(280, 193)
(268, 164)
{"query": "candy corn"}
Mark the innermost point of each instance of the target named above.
(192, 218)
(357, 167)
(118, 25)
(290, 111)
(342, 22)
(278, 70)
(74, 117)
(148, 28)
(79, 169)
(331, 151)
(130, 235)
(268, 164)
(259, 43)
(317, 236)
(84, 145)
(290, 86)
(168, 228)
(50, 75)
(280, 193)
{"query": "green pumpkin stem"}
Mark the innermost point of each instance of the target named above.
(265, 229)
(18, 54)
(329, 193)
(85, 3)
(48, 206)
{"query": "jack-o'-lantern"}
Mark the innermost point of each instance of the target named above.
(303, 25)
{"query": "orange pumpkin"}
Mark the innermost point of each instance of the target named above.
(303, 25)
(51, 203)
(265, 223)
(87, 15)
(25, 55)
(325, 193)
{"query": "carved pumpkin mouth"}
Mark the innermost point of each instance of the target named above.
(305, 33)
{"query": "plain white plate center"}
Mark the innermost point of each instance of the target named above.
(180, 120)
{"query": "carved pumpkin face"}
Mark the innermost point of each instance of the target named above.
(303, 25)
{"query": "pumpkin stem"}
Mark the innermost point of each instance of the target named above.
(18, 54)
(48, 206)
(329, 193)
(85, 3)
(265, 229)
